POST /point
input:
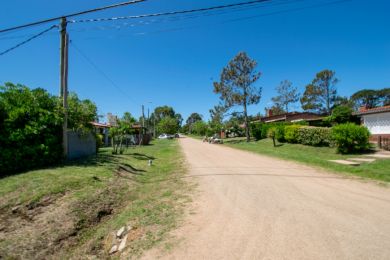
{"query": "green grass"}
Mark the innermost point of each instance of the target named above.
(150, 198)
(316, 156)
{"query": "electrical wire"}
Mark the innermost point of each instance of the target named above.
(71, 15)
(101, 72)
(221, 22)
(28, 40)
(177, 18)
(205, 9)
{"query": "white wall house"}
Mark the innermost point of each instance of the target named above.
(377, 120)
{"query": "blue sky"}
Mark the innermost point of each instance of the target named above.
(174, 61)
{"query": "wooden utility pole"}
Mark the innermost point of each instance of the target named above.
(143, 117)
(64, 39)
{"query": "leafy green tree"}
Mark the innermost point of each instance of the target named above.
(179, 119)
(287, 94)
(81, 113)
(162, 112)
(200, 127)
(194, 117)
(168, 125)
(370, 98)
(236, 85)
(342, 114)
(119, 132)
(30, 128)
(320, 95)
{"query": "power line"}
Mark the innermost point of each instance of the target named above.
(101, 72)
(180, 18)
(28, 40)
(70, 15)
(205, 9)
(233, 20)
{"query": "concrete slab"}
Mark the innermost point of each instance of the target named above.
(378, 155)
(345, 162)
(368, 160)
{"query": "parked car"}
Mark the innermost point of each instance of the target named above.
(177, 136)
(165, 136)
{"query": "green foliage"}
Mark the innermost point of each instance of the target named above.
(291, 133)
(81, 113)
(371, 98)
(260, 130)
(168, 125)
(99, 141)
(255, 129)
(30, 129)
(341, 114)
(279, 132)
(315, 136)
(200, 128)
(271, 133)
(350, 138)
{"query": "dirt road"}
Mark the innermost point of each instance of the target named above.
(255, 207)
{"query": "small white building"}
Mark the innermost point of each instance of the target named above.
(377, 120)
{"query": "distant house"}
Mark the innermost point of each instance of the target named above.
(139, 136)
(103, 129)
(377, 120)
(291, 117)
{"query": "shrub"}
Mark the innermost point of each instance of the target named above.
(99, 141)
(255, 129)
(200, 128)
(279, 132)
(341, 114)
(30, 129)
(315, 136)
(272, 134)
(291, 133)
(350, 138)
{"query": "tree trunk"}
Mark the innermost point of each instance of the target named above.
(248, 138)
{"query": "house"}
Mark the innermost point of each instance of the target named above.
(139, 136)
(291, 117)
(377, 120)
(103, 129)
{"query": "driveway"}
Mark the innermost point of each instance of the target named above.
(256, 207)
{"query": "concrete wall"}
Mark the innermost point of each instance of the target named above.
(80, 145)
(378, 124)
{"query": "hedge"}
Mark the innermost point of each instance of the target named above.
(291, 133)
(350, 138)
(315, 136)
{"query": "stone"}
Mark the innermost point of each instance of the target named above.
(368, 160)
(129, 228)
(122, 245)
(114, 249)
(345, 162)
(15, 209)
(121, 232)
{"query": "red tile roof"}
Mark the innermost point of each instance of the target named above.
(375, 110)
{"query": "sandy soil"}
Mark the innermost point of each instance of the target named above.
(255, 207)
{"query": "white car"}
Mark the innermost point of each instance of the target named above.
(164, 136)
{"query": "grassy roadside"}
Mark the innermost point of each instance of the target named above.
(316, 156)
(72, 210)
